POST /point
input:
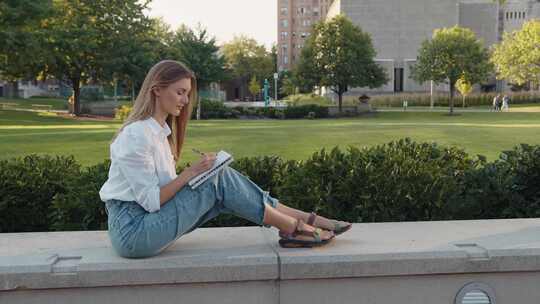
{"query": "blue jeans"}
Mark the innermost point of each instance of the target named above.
(136, 233)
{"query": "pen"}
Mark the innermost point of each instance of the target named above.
(197, 151)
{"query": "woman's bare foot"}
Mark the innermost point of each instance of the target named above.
(324, 234)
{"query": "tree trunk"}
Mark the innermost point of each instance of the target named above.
(340, 99)
(463, 106)
(76, 85)
(452, 88)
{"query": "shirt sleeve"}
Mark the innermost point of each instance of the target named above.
(135, 161)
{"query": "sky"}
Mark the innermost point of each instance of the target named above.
(222, 18)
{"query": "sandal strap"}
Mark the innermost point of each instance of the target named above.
(315, 234)
(294, 233)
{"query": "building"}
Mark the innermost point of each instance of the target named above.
(295, 20)
(398, 27)
(29, 88)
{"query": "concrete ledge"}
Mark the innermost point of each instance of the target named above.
(250, 259)
(86, 259)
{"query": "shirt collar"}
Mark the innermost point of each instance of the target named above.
(157, 128)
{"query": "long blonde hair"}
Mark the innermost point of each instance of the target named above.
(163, 74)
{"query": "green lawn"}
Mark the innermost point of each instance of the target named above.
(486, 133)
(57, 104)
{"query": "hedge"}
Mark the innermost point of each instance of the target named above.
(398, 181)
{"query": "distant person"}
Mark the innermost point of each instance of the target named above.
(149, 206)
(496, 103)
(505, 102)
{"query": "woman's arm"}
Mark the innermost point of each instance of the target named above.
(168, 191)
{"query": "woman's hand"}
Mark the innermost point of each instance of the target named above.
(206, 162)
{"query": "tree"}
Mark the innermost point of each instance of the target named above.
(517, 57)
(133, 56)
(464, 87)
(306, 74)
(86, 40)
(452, 53)
(342, 57)
(199, 51)
(245, 58)
(20, 35)
(254, 87)
(288, 86)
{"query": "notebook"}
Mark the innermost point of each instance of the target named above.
(222, 159)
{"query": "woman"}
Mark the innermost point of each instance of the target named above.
(150, 206)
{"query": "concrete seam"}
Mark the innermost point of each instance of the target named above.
(278, 280)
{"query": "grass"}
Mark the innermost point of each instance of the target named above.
(57, 104)
(484, 133)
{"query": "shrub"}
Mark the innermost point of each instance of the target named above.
(303, 111)
(28, 186)
(211, 109)
(123, 112)
(524, 161)
(399, 181)
(303, 99)
(80, 207)
(91, 93)
(442, 99)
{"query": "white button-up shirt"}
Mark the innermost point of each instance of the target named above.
(141, 163)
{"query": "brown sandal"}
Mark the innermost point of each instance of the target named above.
(288, 241)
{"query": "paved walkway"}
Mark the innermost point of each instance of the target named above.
(428, 109)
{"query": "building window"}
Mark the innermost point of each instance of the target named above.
(301, 11)
(303, 35)
(284, 11)
(284, 48)
(284, 35)
(284, 23)
(285, 60)
(398, 80)
(316, 11)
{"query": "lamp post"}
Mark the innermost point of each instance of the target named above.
(276, 76)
